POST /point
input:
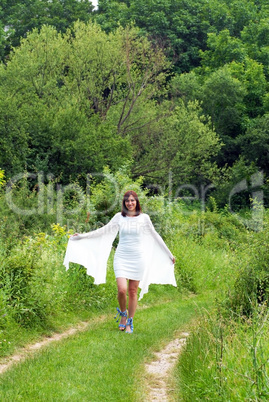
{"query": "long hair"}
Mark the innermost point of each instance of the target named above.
(124, 210)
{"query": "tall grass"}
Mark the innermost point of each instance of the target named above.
(227, 354)
(226, 360)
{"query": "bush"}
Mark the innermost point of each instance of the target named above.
(23, 288)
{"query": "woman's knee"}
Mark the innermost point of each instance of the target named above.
(122, 286)
(122, 291)
(132, 292)
(133, 288)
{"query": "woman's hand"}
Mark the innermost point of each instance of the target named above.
(173, 260)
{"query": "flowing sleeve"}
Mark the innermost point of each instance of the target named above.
(92, 249)
(159, 267)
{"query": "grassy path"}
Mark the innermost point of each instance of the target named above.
(100, 363)
(7, 362)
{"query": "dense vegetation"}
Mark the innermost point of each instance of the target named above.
(156, 83)
(170, 98)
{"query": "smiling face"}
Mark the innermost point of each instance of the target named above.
(130, 204)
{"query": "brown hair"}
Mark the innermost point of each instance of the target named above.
(124, 210)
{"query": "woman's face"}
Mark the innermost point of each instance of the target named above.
(131, 204)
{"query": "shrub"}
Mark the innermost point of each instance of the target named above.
(23, 289)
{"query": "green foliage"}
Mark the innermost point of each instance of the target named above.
(222, 49)
(223, 101)
(193, 145)
(180, 33)
(2, 178)
(251, 75)
(204, 249)
(23, 204)
(13, 136)
(183, 144)
(22, 17)
(72, 120)
(22, 287)
(255, 142)
(229, 181)
(187, 86)
(80, 292)
(252, 281)
(256, 40)
(226, 360)
(181, 27)
(231, 96)
(82, 96)
(106, 196)
(2, 39)
(226, 353)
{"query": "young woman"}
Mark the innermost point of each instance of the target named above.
(141, 257)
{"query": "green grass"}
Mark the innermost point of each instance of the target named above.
(100, 363)
(226, 360)
(200, 268)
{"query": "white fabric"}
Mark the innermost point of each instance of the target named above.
(151, 261)
(129, 259)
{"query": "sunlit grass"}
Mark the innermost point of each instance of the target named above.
(100, 363)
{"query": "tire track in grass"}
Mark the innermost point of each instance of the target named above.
(159, 369)
(89, 362)
(7, 362)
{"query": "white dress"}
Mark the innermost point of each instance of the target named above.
(141, 253)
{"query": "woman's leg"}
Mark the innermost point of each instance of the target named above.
(132, 291)
(122, 298)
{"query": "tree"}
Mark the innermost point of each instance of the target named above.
(183, 143)
(2, 41)
(242, 12)
(22, 16)
(255, 37)
(180, 26)
(223, 100)
(114, 75)
(255, 143)
(252, 76)
(13, 137)
(82, 95)
(222, 49)
(176, 26)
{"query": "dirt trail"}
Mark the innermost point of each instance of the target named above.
(23, 353)
(158, 370)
